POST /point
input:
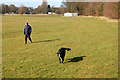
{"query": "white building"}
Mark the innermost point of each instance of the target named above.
(70, 14)
(51, 13)
(75, 14)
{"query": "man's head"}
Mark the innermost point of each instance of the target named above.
(68, 49)
(26, 23)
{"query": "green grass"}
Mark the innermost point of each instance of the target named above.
(91, 37)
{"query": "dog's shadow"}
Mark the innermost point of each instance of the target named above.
(76, 59)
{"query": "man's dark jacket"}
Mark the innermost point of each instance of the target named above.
(27, 30)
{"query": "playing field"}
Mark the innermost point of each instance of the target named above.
(94, 45)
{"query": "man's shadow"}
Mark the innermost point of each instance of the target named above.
(46, 41)
(76, 59)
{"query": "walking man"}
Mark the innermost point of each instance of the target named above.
(27, 32)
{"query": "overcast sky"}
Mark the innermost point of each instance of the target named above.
(31, 3)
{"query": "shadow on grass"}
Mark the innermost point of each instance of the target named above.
(76, 59)
(46, 41)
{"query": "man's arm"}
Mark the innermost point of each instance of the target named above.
(58, 53)
(68, 49)
(30, 30)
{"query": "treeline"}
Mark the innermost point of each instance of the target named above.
(23, 9)
(41, 9)
(108, 9)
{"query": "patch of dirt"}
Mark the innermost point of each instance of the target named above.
(103, 18)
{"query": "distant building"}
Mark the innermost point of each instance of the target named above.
(75, 14)
(70, 14)
(51, 13)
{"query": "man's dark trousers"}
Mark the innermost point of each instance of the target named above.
(27, 36)
(61, 58)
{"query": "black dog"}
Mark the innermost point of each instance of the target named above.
(61, 54)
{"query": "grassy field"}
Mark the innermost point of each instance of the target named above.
(94, 45)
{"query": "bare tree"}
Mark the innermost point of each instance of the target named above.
(22, 10)
(111, 9)
(12, 8)
(44, 7)
(5, 8)
(99, 7)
